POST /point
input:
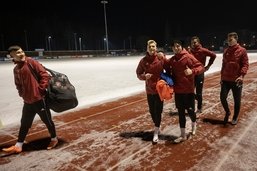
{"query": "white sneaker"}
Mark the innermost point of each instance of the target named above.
(180, 139)
(155, 138)
(156, 135)
(194, 129)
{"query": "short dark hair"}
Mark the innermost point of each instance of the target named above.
(233, 34)
(176, 41)
(13, 48)
(195, 37)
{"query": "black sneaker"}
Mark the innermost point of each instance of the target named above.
(198, 111)
(234, 122)
(226, 119)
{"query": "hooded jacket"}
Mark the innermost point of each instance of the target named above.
(28, 87)
(178, 64)
(201, 53)
(235, 63)
(150, 64)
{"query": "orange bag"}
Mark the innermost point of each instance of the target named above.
(164, 90)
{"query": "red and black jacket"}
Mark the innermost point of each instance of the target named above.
(150, 64)
(178, 64)
(235, 63)
(201, 53)
(28, 87)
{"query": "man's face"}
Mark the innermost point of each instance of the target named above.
(194, 43)
(177, 48)
(231, 41)
(18, 55)
(151, 48)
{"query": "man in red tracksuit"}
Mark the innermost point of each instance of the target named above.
(149, 70)
(234, 67)
(183, 67)
(201, 54)
(33, 94)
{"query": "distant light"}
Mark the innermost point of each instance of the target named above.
(104, 2)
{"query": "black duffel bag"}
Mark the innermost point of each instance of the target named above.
(61, 94)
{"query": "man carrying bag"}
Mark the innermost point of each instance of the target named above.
(33, 94)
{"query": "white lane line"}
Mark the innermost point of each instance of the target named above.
(73, 121)
(235, 145)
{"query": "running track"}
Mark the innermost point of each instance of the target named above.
(117, 136)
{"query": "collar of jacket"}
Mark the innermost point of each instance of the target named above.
(150, 58)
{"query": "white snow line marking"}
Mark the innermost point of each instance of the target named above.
(127, 158)
(252, 123)
(82, 118)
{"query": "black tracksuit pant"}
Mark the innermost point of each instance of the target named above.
(185, 102)
(199, 80)
(155, 108)
(29, 112)
(226, 86)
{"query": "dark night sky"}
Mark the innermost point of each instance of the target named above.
(161, 20)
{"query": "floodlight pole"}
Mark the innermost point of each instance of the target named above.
(2, 39)
(49, 43)
(106, 32)
(26, 40)
(75, 41)
(80, 47)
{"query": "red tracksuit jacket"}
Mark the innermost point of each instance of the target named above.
(28, 87)
(178, 64)
(235, 63)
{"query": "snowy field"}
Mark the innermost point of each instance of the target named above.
(96, 80)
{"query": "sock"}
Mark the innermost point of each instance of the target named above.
(19, 144)
(54, 139)
(183, 132)
(193, 124)
(193, 128)
(156, 130)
